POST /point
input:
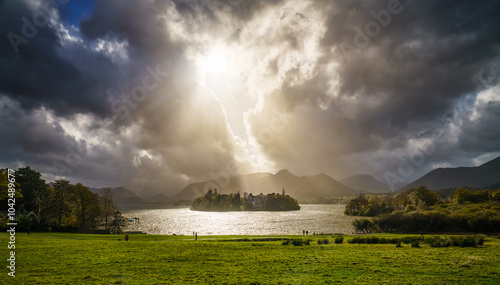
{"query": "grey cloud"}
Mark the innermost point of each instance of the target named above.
(482, 134)
(67, 79)
(398, 88)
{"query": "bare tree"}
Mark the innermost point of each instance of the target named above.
(109, 207)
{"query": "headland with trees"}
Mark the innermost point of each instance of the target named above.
(420, 210)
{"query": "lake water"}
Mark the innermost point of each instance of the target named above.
(182, 221)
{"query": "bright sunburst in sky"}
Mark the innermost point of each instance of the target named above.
(214, 61)
(164, 93)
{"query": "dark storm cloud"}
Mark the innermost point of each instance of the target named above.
(139, 22)
(29, 138)
(40, 74)
(427, 57)
(454, 41)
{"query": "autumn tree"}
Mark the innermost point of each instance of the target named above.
(356, 206)
(422, 197)
(86, 206)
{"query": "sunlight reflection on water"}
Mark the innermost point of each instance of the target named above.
(182, 221)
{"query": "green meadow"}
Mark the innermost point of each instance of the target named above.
(58, 258)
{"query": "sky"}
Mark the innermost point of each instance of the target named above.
(166, 93)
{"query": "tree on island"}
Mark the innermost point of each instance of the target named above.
(214, 201)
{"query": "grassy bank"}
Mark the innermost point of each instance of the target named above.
(52, 258)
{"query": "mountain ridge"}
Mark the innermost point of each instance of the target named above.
(366, 182)
(477, 176)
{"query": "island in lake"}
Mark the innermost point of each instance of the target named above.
(214, 201)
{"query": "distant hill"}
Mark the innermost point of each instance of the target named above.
(442, 178)
(299, 187)
(159, 199)
(367, 183)
(123, 196)
(148, 191)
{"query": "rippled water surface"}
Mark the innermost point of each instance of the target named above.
(181, 220)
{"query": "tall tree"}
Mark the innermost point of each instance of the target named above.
(36, 193)
(109, 207)
(86, 206)
(60, 199)
(30, 181)
(118, 223)
(42, 201)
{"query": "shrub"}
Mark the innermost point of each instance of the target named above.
(466, 241)
(297, 242)
(323, 241)
(363, 225)
(407, 240)
(480, 240)
(339, 239)
(371, 240)
(438, 242)
(474, 218)
(357, 240)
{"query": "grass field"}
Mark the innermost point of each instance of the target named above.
(55, 258)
